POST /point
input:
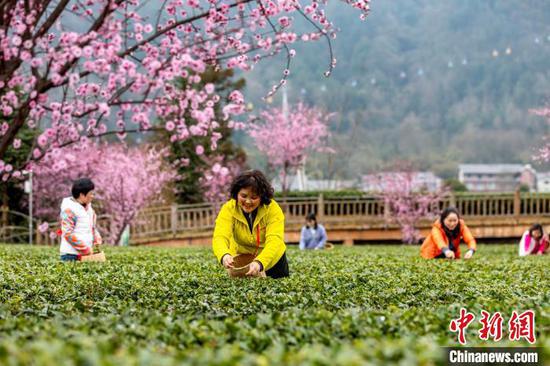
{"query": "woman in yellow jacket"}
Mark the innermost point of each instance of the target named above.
(444, 240)
(251, 222)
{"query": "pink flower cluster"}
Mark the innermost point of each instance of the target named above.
(217, 178)
(288, 139)
(101, 67)
(544, 152)
(126, 179)
(406, 205)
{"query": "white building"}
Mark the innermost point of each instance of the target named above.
(497, 177)
(543, 182)
(302, 183)
(420, 181)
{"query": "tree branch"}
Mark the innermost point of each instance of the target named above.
(176, 24)
(51, 19)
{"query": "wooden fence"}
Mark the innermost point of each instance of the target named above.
(156, 223)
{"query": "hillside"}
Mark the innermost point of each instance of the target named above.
(419, 81)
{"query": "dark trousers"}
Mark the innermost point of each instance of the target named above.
(280, 269)
(69, 258)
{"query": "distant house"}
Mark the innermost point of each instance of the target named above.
(497, 177)
(543, 182)
(420, 181)
(301, 182)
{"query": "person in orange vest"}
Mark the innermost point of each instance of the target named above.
(445, 237)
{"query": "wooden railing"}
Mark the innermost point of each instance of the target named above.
(173, 219)
(188, 218)
(178, 220)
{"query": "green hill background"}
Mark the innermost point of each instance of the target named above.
(418, 81)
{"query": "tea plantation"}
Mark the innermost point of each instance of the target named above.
(350, 306)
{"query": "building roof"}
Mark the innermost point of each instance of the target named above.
(314, 184)
(493, 168)
(420, 175)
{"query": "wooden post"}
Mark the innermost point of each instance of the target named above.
(452, 200)
(4, 221)
(348, 242)
(320, 208)
(173, 219)
(112, 228)
(387, 213)
(38, 240)
(517, 203)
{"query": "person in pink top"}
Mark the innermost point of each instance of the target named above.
(533, 241)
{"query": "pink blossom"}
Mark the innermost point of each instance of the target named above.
(7, 110)
(170, 126)
(43, 227)
(209, 88)
(16, 41)
(217, 177)
(543, 153)
(36, 62)
(284, 21)
(148, 28)
(199, 149)
(127, 180)
(43, 140)
(406, 204)
(106, 68)
(286, 140)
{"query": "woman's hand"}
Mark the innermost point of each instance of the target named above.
(468, 254)
(449, 254)
(254, 269)
(227, 261)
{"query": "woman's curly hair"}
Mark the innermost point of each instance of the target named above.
(255, 180)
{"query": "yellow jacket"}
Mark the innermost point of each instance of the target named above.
(232, 234)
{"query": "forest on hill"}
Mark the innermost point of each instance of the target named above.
(436, 83)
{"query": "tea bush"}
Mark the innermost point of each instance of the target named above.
(350, 306)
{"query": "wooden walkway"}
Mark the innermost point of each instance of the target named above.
(349, 220)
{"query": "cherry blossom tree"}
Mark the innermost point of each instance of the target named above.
(406, 203)
(217, 177)
(191, 167)
(98, 67)
(126, 179)
(288, 137)
(544, 152)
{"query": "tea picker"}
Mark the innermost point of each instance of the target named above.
(79, 234)
(248, 236)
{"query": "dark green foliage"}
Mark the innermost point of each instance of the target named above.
(350, 306)
(11, 192)
(455, 185)
(524, 188)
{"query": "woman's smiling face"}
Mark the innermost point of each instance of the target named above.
(451, 221)
(248, 199)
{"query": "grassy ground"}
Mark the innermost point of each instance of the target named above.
(350, 306)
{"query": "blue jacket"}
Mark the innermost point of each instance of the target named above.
(308, 241)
